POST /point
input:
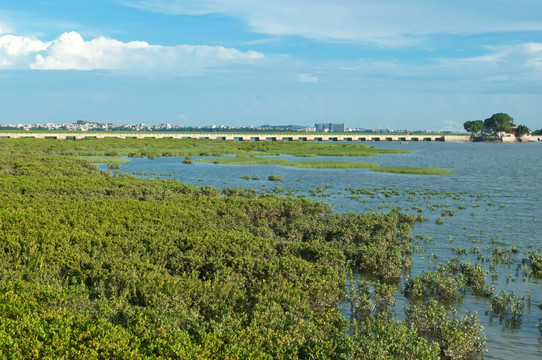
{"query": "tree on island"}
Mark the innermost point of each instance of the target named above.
(499, 123)
(474, 127)
(523, 130)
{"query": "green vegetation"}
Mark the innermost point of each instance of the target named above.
(412, 170)
(499, 123)
(503, 123)
(474, 127)
(459, 338)
(97, 265)
(286, 162)
(535, 260)
(104, 159)
(274, 178)
(449, 282)
(523, 130)
(149, 147)
(507, 306)
(246, 153)
(325, 165)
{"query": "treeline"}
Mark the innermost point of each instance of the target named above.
(495, 124)
(96, 265)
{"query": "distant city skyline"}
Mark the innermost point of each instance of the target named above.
(82, 126)
(378, 64)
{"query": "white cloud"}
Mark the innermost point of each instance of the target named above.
(71, 51)
(5, 28)
(17, 51)
(13, 45)
(521, 62)
(393, 22)
(307, 78)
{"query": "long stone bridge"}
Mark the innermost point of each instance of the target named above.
(234, 137)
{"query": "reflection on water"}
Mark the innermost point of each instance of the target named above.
(491, 203)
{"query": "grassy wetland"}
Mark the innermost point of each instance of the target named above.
(139, 262)
(245, 153)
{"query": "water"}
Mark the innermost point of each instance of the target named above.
(495, 194)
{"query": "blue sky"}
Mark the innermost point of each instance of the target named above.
(417, 64)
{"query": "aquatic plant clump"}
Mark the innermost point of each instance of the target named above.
(535, 261)
(274, 178)
(412, 170)
(286, 162)
(458, 337)
(449, 282)
(507, 306)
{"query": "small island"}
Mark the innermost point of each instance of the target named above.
(498, 127)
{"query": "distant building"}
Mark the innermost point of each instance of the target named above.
(322, 127)
(329, 127)
(338, 128)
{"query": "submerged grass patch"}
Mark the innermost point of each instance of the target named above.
(412, 170)
(334, 165)
(286, 162)
(325, 165)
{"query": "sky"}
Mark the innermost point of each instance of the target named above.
(375, 64)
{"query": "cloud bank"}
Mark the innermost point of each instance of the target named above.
(71, 52)
(389, 23)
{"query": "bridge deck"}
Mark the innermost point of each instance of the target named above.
(239, 137)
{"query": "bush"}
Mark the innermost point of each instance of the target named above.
(458, 338)
(507, 306)
(535, 260)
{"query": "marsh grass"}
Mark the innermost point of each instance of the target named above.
(412, 170)
(206, 147)
(334, 165)
(107, 151)
(251, 160)
(104, 159)
(286, 162)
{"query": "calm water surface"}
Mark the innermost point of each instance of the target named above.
(495, 194)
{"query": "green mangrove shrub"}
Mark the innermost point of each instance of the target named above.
(449, 282)
(458, 337)
(100, 266)
(507, 306)
(535, 260)
(436, 285)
